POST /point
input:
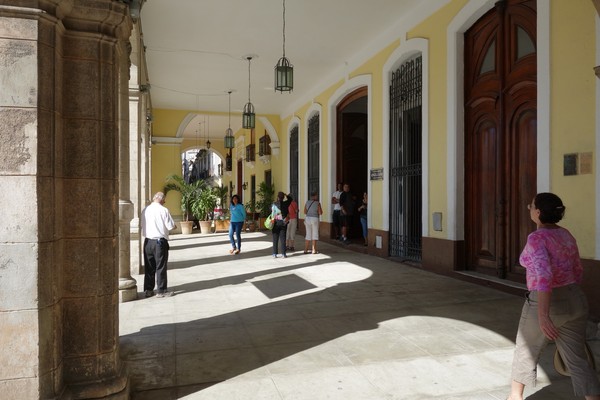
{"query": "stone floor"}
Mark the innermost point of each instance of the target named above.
(333, 325)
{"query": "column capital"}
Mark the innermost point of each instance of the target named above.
(106, 17)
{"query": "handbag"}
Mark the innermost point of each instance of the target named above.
(560, 366)
(269, 223)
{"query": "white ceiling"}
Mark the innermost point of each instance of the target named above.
(196, 50)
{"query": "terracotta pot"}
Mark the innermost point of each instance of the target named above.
(222, 225)
(205, 227)
(186, 227)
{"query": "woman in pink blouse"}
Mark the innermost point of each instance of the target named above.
(556, 307)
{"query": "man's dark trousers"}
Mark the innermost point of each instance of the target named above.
(156, 255)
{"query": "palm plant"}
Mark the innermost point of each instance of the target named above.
(203, 206)
(266, 196)
(190, 192)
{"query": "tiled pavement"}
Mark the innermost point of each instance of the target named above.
(334, 325)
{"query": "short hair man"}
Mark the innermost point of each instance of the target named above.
(156, 223)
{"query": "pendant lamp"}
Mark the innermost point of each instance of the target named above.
(248, 117)
(284, 70)
(229, 138)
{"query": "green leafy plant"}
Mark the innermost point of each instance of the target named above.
(189, 193)
(221, 192)
(204, 205)
(265, 197)
(250, 210)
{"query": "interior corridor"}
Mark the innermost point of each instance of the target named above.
(335, 325)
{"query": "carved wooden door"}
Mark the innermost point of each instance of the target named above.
(500, 137)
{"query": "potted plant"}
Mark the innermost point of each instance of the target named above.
(189, 192)
(265, 197)
(222, 222)
(251, 223)
(203, 207)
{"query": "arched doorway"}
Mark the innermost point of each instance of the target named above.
(500, 137)
(352, 148)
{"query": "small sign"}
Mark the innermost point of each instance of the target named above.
(377, 174)
(570, 164)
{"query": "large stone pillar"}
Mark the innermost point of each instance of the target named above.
(127, 285)
(59, 69)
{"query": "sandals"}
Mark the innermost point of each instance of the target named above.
(306, 252)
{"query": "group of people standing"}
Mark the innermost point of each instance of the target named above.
(344, 208)
(284, 213)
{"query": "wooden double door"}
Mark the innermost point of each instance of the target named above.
(500, 137)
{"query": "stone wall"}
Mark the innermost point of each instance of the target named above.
(59, 71)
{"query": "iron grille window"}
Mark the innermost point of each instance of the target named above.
(313, 154)
(405, 161)
(251, 152)
(263, 145)
(294, 163)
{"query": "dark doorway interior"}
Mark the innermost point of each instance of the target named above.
(352, 149)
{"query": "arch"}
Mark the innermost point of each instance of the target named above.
(465, 18)
(348, 87)
(275, 144)
(404, 52)
(184, 123)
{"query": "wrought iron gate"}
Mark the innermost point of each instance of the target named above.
(405, 161)
(294, 163)
(313, 154)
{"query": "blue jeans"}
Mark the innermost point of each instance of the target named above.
(237, 228)
(363, 222)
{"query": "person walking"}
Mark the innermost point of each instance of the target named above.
(279, 213)
(363, 217)
(312, 210)
(292, 222)
(335, 201)
(556, 307)
(237, 216)
(156, 223)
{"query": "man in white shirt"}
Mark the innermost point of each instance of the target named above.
(156, 224)
(335, 200)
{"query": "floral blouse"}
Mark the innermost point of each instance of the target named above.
(552, 259)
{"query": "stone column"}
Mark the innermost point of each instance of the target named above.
(138, 94)
(127, 285)
(58, 167)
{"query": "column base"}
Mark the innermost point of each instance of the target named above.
(128, 294)
(114, 389)
(127, 290)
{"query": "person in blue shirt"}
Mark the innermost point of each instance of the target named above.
(237, 214)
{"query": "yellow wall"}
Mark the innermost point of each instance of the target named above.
(166, 160)
(573, 113)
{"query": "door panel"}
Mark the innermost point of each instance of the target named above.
(500, 137)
